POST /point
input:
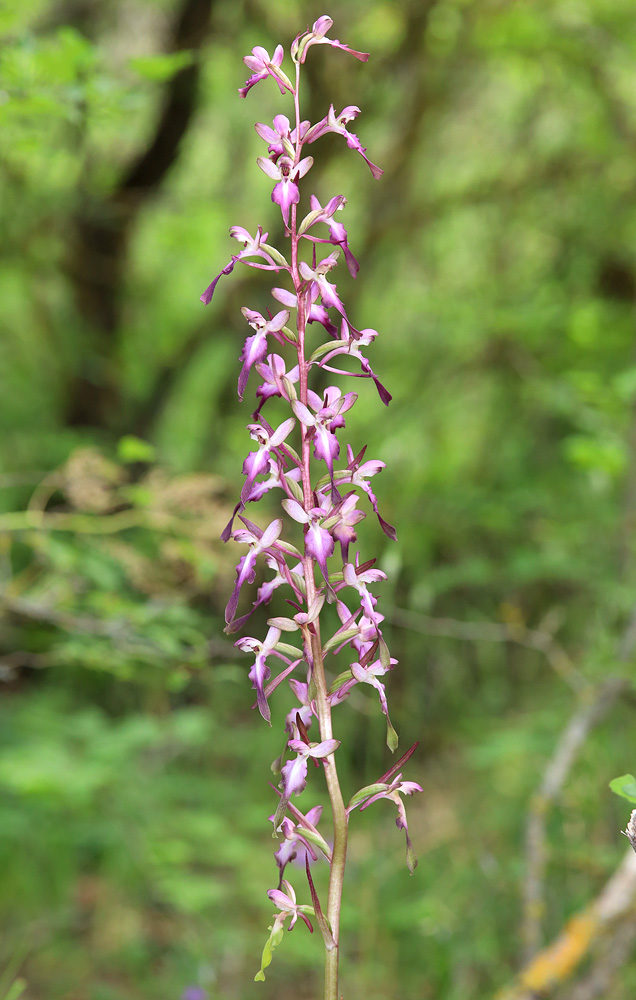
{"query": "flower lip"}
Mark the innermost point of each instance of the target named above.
(286, 173)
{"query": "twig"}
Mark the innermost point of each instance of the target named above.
(8, 480)
(118, 630)
(451, 628)
(628, 641)
(62, 619)
(585, 717)
(100, 524)
(556, 963)
(44, 491)
(615, 954)
(35, 520)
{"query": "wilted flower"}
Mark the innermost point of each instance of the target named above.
(285, 900)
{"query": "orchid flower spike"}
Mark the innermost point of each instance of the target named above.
(300, 453)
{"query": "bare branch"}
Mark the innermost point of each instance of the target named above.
(614, 954)
(120, 631)
(584, 718)
(451, 628)
(556, 963)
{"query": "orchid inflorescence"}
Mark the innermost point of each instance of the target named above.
(322, 499)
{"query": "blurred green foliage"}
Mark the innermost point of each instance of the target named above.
(498, 263)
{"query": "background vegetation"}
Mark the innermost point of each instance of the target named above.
(498, 262)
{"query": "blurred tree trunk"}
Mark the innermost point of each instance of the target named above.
(97, 254)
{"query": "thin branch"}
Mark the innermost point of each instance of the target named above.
(556, 963)
(9, 480)
(119, 630)
(591, 709)
(614, 955)
(584, 718)
(105, 524)
(451, 628)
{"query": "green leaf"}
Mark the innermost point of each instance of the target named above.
(134, 449)
(311, 690)
(274, 939)
(284, 624)
(338, 475)
(315, 608)
(340, 637)
(341, 679)
(602, 454)
(314, 838)
(411, 858)
(287, 650)
(291, 335)
(15, 990)
(288, 547)
(391, 737)
(294, 488)
(279, 815)
(320, 351)
(275, 254)
(366, 793)
(75, 50)
(625, 786)
(162, 67)
(293, 453)
(309, 221)
(385, 656)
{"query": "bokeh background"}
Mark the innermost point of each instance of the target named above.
(498, 262)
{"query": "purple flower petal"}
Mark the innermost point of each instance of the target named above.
(254, 350)
(294, 774)
(259, 675)
(206, 298)
(319, 545)
(194, 993)
(285, 194)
